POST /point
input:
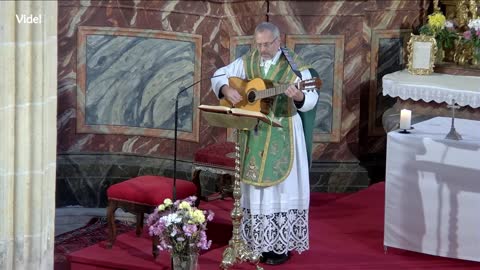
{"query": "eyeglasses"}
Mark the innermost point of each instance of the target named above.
(266, 44)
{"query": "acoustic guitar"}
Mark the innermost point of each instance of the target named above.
(256, 92)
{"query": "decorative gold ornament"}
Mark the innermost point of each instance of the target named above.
(461, 12)
(455, 8)
(473, 7)
(462, 15)
(237, 251)
(422, 51)
(436, 8)
(465, 11)
(463, 53)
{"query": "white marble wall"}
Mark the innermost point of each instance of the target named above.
(28, 105)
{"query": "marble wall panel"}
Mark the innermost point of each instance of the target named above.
(397, 5)
(128, 80)
(325, 54)
(84, 179)
(393, 16)
(202, 18)
(240, 45)
(338, 177)
(388, 55)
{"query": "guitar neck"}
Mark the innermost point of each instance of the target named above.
(270, 92)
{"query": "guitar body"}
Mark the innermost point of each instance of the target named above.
(257, 94)
(248, 91)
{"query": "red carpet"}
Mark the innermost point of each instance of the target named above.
(346, 233)
(92, 233)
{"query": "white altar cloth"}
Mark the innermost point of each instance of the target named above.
(434, 87)
(432, 193)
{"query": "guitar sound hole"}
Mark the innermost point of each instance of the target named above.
(251, 96)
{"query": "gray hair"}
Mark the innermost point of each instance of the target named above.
(266, 26)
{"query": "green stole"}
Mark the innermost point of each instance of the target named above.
(267, 152)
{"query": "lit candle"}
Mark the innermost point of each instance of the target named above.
(405, 119)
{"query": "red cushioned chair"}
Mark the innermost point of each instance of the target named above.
(141, 195)
(218, 158)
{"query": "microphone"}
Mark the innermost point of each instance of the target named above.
(174, 195)
(174, 189)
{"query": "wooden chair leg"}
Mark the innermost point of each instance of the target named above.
(139, 227)
(155, 242)
(112, 230)
(226, 185)
(196, 181)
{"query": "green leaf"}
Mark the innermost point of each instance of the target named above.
(426, 30)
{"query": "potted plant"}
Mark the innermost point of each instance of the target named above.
(445, 34)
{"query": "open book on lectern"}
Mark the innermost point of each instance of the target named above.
(239, 112)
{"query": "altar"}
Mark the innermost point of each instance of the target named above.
(432, 189)
(427, 96)
(465, 90)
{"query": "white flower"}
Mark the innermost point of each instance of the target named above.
(474, 24)
(171, 218)
(449, 24)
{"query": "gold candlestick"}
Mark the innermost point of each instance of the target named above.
(237, 251)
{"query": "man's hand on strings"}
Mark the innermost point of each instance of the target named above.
(294, 93)
(231, 94)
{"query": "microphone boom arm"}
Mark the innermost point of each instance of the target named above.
(174, 195)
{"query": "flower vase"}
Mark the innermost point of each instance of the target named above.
(185, 262)
(476, 57)
(449, 54)
(440, 56)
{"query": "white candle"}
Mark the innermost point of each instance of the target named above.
(405, 119)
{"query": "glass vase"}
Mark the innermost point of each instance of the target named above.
(476, 57)
(185, 261)
(440, 55)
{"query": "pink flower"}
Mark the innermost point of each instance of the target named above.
(478, 33)
(191, 200)
(210, 215)
(204, 243)
(162, 245)
(180, 239)
(467, 35)
(152, 218)
(189, 229)
(157, 228)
